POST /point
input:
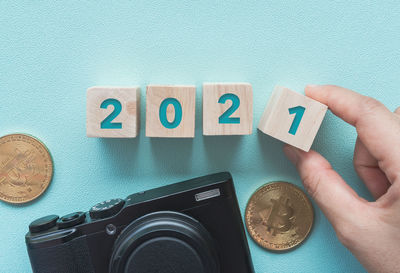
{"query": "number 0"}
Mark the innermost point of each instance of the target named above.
(163, 113)
(107, 122)
(299, 112)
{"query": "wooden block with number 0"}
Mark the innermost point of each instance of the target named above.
(170, 111)
(292, 118)
(113, 112)
(227, 109)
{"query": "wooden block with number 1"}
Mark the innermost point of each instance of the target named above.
(227, 109)
(292, 118)
(170, 110)
(113, 112)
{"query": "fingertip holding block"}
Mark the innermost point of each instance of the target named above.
(170, 111)
(112, 112)
(292, 118)
(227, 109)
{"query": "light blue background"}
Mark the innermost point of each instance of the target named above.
(51, 52)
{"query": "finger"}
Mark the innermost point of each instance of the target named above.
(336, 199)
(377, 127)
(368, 170)
(393, 193)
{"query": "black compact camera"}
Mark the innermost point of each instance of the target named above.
(193, 226)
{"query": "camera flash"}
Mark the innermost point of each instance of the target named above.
(207, 194)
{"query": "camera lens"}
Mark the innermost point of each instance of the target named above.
(167, 242)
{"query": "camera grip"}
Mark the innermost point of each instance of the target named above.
(69, 257)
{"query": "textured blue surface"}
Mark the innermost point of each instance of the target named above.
(51, 52)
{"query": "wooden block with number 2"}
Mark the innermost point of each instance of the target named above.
(227, 109)
(112, 112)
(292, 118)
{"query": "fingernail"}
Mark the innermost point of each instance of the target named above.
(291, 153)
(312, 86)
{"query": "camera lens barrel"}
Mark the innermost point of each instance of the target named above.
(164, 241)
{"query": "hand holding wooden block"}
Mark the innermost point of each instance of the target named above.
(292, 118)
(113, 112)
(170, 111)
(227, 109)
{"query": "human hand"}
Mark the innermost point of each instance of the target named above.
(370, 230)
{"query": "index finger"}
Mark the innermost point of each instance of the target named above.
(377, 127)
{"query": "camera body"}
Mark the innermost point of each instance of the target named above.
(193, 226)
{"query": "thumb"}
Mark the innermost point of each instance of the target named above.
(336, 199)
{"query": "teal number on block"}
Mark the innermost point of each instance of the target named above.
(107, 122)
(299, 112)
(226, 116)
(163, 113)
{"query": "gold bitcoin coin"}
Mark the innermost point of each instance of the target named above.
(279, 216)
(26, 168)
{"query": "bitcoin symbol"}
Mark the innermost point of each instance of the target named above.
(279, 217)
(19, 168)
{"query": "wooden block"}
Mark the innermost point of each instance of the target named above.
(113, 112)
(292, 118)
(170, 111)
(227, 109)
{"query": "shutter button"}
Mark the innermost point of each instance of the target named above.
(43, 223)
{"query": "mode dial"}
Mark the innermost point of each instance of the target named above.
(106, 208)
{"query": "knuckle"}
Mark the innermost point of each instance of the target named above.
(311, 183)
(355, 223)
(348, 230)
(394, 194)
(317, 173)
(369, 105)
(345, 234)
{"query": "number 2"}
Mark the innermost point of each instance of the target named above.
(226, 116)
(299, 112)
(107, 122)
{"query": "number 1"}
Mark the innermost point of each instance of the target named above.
(299, 112)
